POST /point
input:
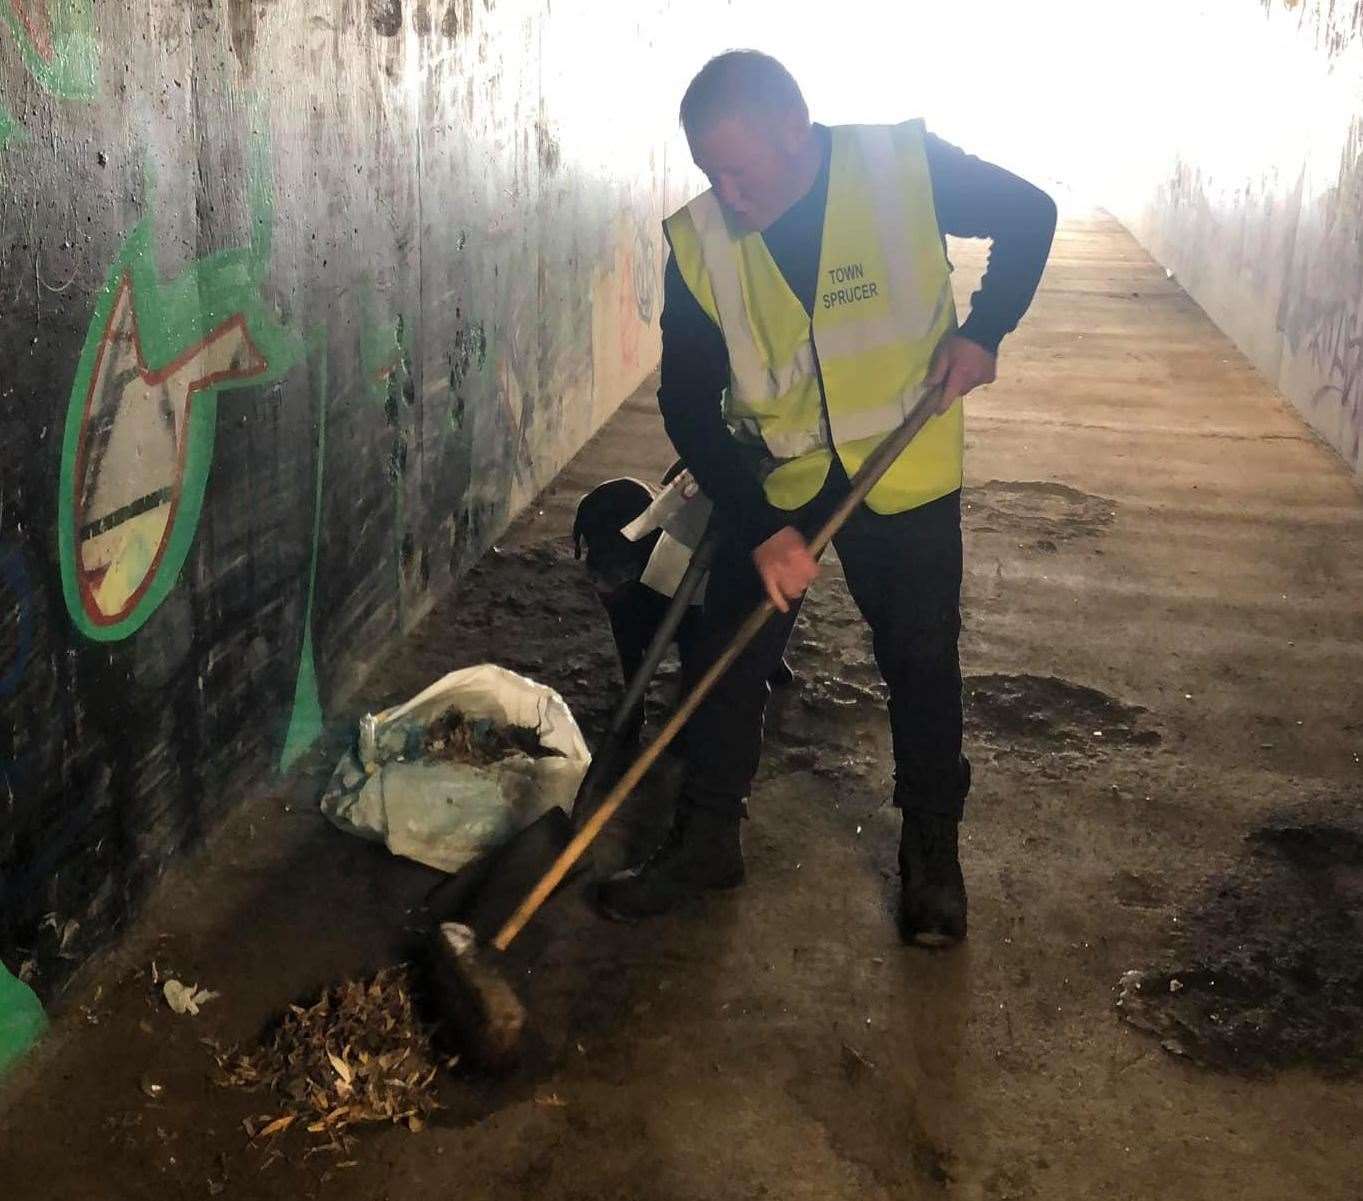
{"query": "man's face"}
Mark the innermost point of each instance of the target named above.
(753, 166)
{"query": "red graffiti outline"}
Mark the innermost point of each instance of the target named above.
(257, 366)
(33, 17)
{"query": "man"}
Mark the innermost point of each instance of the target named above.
(807, 305)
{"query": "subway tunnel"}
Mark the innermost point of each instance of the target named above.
(317, 321)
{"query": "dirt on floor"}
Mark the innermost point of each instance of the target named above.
(1163, 676)
(1267, 971)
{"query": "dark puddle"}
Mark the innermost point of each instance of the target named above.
(1268, 970)
(1047, 710)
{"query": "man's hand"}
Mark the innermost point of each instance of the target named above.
(960, 366)
(786, 566)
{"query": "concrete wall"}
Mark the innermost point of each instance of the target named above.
(1236, 157)
(299, 303)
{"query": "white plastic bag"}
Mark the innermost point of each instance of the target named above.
(442, 813)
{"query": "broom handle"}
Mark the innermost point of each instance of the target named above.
(875, 466)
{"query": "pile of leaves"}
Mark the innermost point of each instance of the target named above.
(358, 1055)
(480, 742)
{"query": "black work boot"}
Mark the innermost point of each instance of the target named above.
(932, 906)
(700, 852)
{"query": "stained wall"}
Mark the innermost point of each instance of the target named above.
(300, 303)
(1232, 147)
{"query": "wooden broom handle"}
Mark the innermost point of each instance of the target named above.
(875, 466)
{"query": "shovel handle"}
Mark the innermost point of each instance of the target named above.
(875, 466)
(663, 637)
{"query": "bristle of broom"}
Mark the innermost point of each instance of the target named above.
(477, 1003)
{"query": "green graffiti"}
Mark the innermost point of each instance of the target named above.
(22, 1020)
(306, 718)
(9, 131)
(57, 44)
(57, 41)
(142, 415)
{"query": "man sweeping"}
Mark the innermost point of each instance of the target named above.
(807, 306)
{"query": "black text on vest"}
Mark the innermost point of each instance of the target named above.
(848, 275)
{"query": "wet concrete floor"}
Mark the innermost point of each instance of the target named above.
(1164, 655)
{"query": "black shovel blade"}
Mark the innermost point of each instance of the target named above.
(483, 894)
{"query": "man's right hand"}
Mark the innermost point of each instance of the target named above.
(786, 567)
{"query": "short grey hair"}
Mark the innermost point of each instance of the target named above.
(748, 81)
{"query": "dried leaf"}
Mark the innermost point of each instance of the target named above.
(280, 1123)
(357, 1055)
(342, 1068)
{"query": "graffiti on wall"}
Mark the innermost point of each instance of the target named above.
(142, 416)
(1334, 25)
(56, 40)
(1321, 314)
(305, 715)
(646, 272)
(1335, 343)
(210, 572)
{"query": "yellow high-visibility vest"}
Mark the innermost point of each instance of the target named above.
(882, 306)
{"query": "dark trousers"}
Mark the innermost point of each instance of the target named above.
(904, 573)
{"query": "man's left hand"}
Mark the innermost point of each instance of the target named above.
(960, 366)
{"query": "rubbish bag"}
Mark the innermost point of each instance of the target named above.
(22, 1020)
(444, 813)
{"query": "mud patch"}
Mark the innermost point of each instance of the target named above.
(1043, 514)
(1044, 709)
(825, 691)
(532, 610)
(1268, 972)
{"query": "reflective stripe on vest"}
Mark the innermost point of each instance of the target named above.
(751, 378)
(881, 230)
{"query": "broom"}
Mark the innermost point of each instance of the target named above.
(477, 998)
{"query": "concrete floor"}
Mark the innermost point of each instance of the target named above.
(1145, 520)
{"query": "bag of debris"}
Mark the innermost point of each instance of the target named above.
(460, 768)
